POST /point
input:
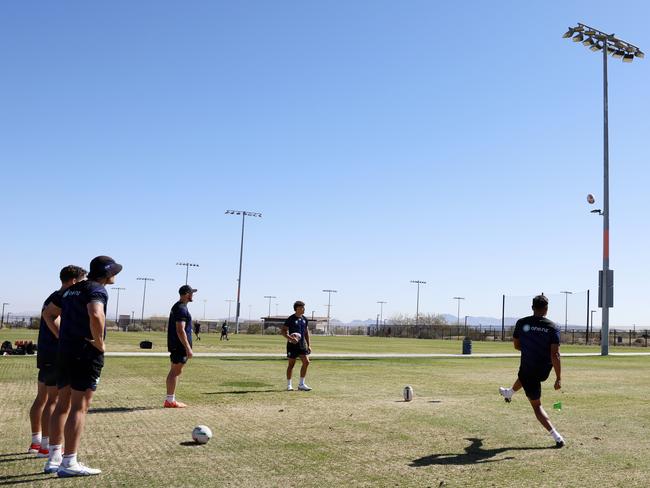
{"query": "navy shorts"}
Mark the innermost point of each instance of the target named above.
(532, 380)
(294, 351)
(47, 372)
(80, 370)
(178, 356)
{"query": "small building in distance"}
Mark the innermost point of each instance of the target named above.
(316, 325)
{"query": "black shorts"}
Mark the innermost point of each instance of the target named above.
(80, 370)
(46, 364)
(294, 351)
(532, 380)
(178, 356)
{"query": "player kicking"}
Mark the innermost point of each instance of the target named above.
(538, 339)
(179, 343)
(297, 323)
(47, 345)
(79, 364)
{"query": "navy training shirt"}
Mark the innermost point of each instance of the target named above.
(48, 344)
(536, 334)
(297, 324)
(179, 313)
(75, 321)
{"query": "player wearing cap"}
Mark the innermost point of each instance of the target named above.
(79, 364)
(538, 339)
(297, 348)
(47, 345)
(179, 343)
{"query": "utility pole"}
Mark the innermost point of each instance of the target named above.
(187, 268)
(417, 306)
(329, 305)
(144, 294)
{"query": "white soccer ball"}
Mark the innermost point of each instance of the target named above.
(201, 434)
(408, 393)
(296, 336)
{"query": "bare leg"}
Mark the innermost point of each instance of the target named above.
(290, 365)
(36, 411)
(172, 377)
(74, 426)
(305, 365)
(48, 410)
(59, 416)
(541, 415)
(516, 385)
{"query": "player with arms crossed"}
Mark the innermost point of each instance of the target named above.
(179, 343)
(296, 333)
(538, 339)
(48, 343)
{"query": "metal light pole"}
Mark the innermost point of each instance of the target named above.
(229, 304)
(381, 311)
(458, 315)
(243, 214)
(187, 268)
(204, 302)
(417, 306)
(270, 297)
(329, 305)
(144, 294)
(2, 317)
(566, 307)
(592, 325)
(609, 44)
(117, 306)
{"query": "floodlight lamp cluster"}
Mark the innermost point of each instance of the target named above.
(187, 264)
(244, 212)
(597, 40)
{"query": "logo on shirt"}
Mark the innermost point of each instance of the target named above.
(526, 328)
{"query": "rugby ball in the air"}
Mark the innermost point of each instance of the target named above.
(201, 434)
(590, 199)
(408, 393)
(296, 336)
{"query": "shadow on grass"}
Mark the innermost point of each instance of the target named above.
(18, 479)
(246, 384)
(191, 444)
(119, 409)
(7, 454)
(238, 392)
(474, 454)
(18, 457)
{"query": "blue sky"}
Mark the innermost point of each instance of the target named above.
(382, 141)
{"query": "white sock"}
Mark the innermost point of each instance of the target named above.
(288, 383)
(171, 398)
(45, 442)
(556, 435)
(302, 381)
(36, 437)
(69, 460)
(56, 452)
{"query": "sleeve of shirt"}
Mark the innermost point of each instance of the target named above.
(287, 322)
(55, 299)
(181, 315)
(98, 296)
(555, 336)
(515, 333)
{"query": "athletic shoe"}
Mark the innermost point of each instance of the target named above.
(33, 448)
(289, 388)
(559, 444)
(51, 466)
(174, 404)
(77, 470)
(304, 387)
(43, 453)
(506, 393)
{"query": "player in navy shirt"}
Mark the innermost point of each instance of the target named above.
(48, 341)
(79, 364)
(297, 348)
(179, 343)
(538, 339)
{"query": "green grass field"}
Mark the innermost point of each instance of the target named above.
(353, 429)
